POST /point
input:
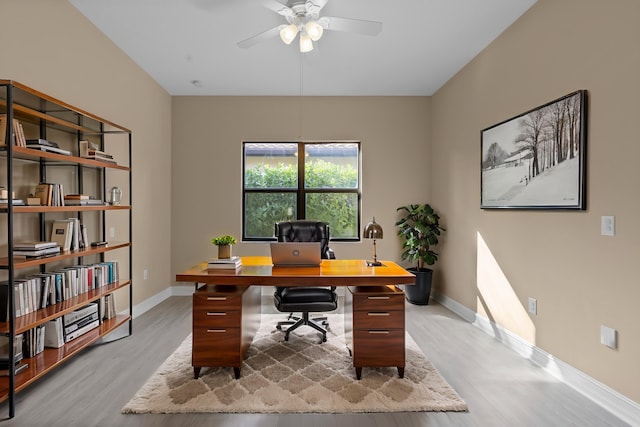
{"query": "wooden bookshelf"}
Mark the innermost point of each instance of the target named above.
(44, 115)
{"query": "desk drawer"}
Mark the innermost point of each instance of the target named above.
(217, 302)
(378, 319)
(379, 347)
(378, 302)
(216, 347)
(211, 317)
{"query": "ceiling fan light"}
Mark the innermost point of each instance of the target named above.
(288, 33)
(306, 45)
(314, 30)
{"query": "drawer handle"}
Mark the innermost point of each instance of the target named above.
(218, 331)
(216, 313)
(378, 332)
(379, 314)
(377, 297)
(216, 298)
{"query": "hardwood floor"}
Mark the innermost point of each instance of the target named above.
(500, 387)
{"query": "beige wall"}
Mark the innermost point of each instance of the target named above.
(49, 46)
(492, 261)
(207, 161)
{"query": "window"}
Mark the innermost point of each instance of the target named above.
(301, 180)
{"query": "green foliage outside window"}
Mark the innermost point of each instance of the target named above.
(339, 210)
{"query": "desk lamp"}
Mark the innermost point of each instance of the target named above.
(373, 231)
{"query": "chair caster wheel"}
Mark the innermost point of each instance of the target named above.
(279, 327)
(324, 338)
(286, 338)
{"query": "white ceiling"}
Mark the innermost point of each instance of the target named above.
(423, 43)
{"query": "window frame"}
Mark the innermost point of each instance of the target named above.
(300, 191)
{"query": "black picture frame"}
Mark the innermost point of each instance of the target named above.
(537, 159)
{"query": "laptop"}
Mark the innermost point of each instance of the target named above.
(295, 254)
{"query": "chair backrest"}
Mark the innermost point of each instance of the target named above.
(305, 231)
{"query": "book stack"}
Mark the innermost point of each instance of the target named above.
(233, 264)
(81, 321)
(18, 355)
(81, 200)
(44, 145)
(49, 194)
(89, 150)
(33, 341)
(69, 234)
(18, 132)
(36, 249)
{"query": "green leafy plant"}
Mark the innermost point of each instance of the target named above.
(339, 210)
(223, 240)
(419, 228)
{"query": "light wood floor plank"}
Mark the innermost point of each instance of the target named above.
(500, 387)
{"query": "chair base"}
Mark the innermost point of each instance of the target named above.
(316, 323)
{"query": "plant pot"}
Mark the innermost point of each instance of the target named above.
(224, 251)
(419, 293)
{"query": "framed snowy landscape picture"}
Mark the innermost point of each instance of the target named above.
(537, 159)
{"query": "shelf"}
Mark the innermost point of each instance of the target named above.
(31, 320)
(50, 358)
(23, 262)
(53, 105)
(25, 153)
(39, 209)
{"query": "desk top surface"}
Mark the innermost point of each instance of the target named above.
(260, 271)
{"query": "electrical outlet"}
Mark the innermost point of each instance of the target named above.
(112, 232)
(533, 305)
(608, 225)
(145, 274)
(608, 337)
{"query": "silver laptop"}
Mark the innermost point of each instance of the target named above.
(295, 254)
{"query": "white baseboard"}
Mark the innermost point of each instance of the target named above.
(616, 403)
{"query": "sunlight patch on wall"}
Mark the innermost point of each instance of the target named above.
(497, 301)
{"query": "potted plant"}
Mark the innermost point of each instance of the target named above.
(419, 228)
(224, 245)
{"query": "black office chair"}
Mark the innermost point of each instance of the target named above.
(305, 299)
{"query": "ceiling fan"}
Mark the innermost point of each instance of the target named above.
(303, 17)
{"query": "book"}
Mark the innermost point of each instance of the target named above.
(75, 233)
(80, 313)
(53, 333)
(232, 260)
(81, 331)
(49, 149)
(19, 133)
(61, 233)
(37, 252)
(3, 128)
(86, 202)
(76, 197)
(16, 202)
(19, 367)
(41, 142)
(33, 245)
(44, 192)
(233, 264)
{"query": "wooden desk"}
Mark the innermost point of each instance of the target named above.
(259, 271)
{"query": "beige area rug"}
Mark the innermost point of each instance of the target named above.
(298, 376)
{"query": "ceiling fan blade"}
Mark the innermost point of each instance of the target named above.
(278, 7)
(369, 28)
(258, 38)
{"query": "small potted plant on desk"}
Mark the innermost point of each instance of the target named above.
(224, 245)
(419, 228)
